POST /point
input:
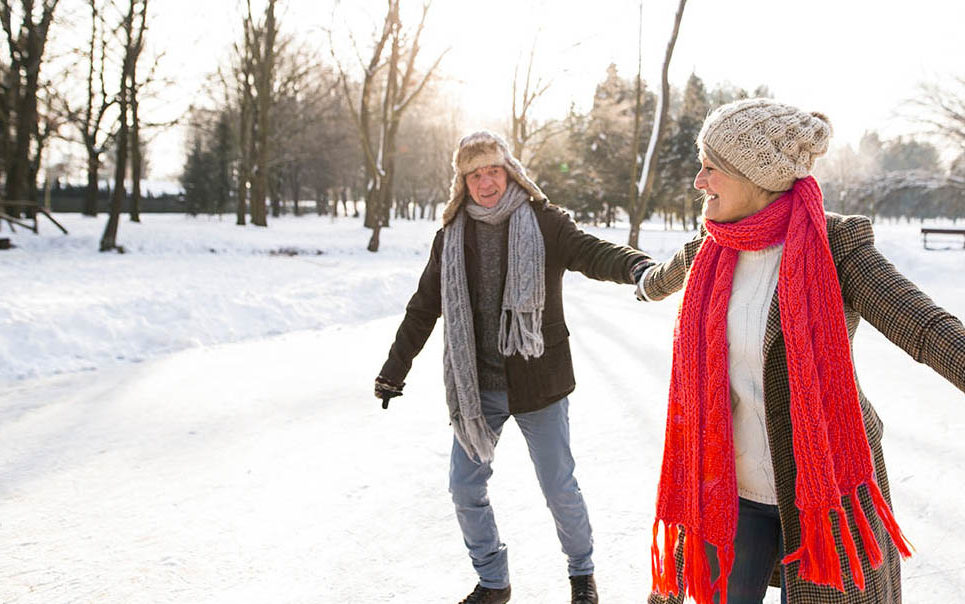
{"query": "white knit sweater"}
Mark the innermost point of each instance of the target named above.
(754, 286)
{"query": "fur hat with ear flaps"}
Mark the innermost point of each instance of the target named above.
(477, 150)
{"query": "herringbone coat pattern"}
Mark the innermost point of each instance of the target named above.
(872, 288)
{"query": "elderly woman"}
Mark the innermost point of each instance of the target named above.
(772, 452)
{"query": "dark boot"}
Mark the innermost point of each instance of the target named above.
(486, 595)
(584, 590)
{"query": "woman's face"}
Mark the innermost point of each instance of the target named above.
(726, 198)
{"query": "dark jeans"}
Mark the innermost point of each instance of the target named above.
(758, 548)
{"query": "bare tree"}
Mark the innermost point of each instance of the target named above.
(89, 117)
(137, 162)
(425, 149)
(526, 135)
(260, 42)
(942, 110)
(132, 27)
(632, 198)
(6, 102)
(26, 42)
(304, 99)
(243, 74)
(253, 74)
(135, 133)
(638, 210)
(399, 89)
(141, 131)
(49, 122)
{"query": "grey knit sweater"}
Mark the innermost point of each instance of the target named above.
(491, 277)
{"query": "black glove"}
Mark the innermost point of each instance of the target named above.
(637, 270)
(386, 389)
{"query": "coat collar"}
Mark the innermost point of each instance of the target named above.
(772, 330)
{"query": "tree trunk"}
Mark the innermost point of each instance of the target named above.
(135, 154)
(131, 51)
(373, 245)
(244, 167)
(90, 195)
(109, 239)
(259, 188)
(296, 190)
(645, 186)
(634, 234)
(27, 42)
(274, 192)
(34, 170)
(241, 207)
(259, 212)
(18, 172)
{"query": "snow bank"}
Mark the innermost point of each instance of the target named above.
(187, 282)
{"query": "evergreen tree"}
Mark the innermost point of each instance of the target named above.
(560, 171)
(197, 180)
(727, 93)
(679, 196)
(607, 139)
(901, 154)
(957, 168)
(222, 155)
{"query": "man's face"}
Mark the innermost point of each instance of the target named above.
(487, 185)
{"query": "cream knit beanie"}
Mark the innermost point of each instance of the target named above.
(772, 144)
(477, 150)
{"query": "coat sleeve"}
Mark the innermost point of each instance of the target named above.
(592, 256)
(668, 277)
(421, 314)
(894, 305)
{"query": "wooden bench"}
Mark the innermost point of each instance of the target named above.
(926, 231)
(34, 210)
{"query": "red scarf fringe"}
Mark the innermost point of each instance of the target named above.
(696, 572)
(818, 554)
(663, 561)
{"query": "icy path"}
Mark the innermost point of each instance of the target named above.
(266, 472)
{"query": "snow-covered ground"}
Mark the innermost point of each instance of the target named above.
(193, 422)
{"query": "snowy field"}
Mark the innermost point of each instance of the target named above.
(192, 421)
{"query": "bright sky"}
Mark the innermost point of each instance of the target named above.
(855, 60)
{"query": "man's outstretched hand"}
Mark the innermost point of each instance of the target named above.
(386, 389)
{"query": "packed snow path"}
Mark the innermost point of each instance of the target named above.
(265, 471)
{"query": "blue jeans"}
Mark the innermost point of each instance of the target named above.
(758, 548)
(547, 434)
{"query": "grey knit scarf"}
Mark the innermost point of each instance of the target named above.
(521, 317)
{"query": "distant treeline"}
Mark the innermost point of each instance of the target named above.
(581, 161)
(71, 198)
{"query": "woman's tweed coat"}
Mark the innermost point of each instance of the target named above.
(872, 288)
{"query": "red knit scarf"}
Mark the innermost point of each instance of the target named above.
(698, 485)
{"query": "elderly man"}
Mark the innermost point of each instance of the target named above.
(495, 274)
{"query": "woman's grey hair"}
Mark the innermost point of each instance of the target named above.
(725, 166)
(719, 162)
